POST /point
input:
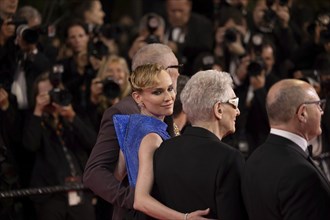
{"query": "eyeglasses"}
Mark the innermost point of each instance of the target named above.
(320, 103)
(233, 102)
(178, 67)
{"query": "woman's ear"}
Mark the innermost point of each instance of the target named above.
(137, 97)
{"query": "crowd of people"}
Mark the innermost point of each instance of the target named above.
(183, 114)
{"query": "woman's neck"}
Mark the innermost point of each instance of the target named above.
(144, 112)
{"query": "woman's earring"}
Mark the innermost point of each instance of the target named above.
(141, 104)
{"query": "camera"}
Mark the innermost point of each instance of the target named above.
(269, 18)
(29, 35)
(111, 89)
(256, 67)
(152, 26)
(58, 95)
(230, 35)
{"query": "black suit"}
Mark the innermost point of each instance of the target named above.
(198, 171)
(198, 39)
(280, 182)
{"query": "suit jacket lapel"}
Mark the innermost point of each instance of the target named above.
(278, 140)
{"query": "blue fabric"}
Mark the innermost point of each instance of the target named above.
(130, 130)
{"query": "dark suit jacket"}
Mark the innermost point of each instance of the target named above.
(198, 39)
(198, 171)
(279, 182)
(98, 175)
(325, 122)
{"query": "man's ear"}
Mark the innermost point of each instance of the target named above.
(302, 113)
(217, 110)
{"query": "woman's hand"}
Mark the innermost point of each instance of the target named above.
(42, 100)
(197, 215)
(66, 112)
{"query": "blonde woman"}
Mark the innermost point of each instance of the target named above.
(109, 86)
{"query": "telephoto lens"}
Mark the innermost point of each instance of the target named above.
(111, 89)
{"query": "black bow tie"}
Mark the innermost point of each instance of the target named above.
(310, 150)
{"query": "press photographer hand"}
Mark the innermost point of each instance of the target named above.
(241, 71)
(258, 81)
(66, 112)
(283, 15)
(96, 90)
(137, 44)
(4, 101)
(42, 100)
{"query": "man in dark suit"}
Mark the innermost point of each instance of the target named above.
(98, 175)
(187, 33)
(280, 180)
(196, 170)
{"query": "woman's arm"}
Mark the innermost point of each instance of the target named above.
(143, 201)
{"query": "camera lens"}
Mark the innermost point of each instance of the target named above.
(110, 88)
(230, 35)
(255, 68)
(60, 96)
(55, 79)
(151, 39)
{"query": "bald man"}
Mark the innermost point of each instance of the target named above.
(280, 180)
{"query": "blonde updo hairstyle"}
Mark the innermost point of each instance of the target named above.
(145, 76)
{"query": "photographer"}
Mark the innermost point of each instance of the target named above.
(61, 142)
(8, 8)
(109, 87)
(261, 77)
(9, 168)
(92, 15)
(151, 30)
(78, 70)
(8, 50)
(271, 19)
(187, 33)
(256, 75)
(31, 63)
(318, 42)
(230, 41)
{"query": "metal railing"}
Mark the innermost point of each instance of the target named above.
(42, 190)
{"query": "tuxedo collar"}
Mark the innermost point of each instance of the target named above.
(285, 142)
(200, 132)
(280, 141)
(300, 141)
